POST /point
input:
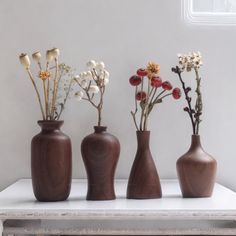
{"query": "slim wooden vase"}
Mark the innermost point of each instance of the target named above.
(144, 182)
(100, 152)
(51, 163)
(196, 171)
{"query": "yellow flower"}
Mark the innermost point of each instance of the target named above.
(43, 74)
(153, 68)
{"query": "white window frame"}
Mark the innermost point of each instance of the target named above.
(206, 18)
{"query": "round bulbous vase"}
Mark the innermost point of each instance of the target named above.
(51, 163)
(100, 152)
(144, 182)
(196, 171)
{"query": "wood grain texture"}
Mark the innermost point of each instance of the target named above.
(144, 182)
(196, 171)
(100, 152)
(51, 163)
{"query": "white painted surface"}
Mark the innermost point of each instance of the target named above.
(18, 201)
(171, 215)
(125, 34)
(120, 227)
(209, 13)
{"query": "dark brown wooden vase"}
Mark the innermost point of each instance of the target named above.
(196, 171)
(100, 152)
(144, 182)
(51, 163)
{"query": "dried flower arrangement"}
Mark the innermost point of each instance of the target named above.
(93, 82)
(187, 63)
(56, 79)
(147, 92)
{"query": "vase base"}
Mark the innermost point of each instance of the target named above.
(150, 192)
(100, 193)
(40, 199)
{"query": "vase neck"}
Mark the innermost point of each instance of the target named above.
(143, 138)
(100, 129)
(48, 125)
(196, 142)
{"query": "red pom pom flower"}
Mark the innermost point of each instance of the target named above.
(142, 72)
(156, 82)
(167, 85)
(135, 80)
(176, 93)
(141, 95)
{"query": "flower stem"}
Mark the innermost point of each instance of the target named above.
(45, 97)
(55, 85)
(147, 106)
(142, 113)
(136, 108)
(37, 92)
(188, 102)
(198, 105)
(64, 103)
(48, 94)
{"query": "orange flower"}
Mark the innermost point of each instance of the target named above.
(43, 74)
(153, 69)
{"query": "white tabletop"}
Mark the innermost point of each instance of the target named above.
(17, 201)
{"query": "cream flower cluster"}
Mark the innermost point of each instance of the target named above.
(92, 80)
(190, 61)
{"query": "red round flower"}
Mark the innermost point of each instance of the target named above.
(156, 82)
(167, 85)
(135, 80)
(141, 95)
(142, 72)
(176, 93)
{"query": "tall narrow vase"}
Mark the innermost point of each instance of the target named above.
(144, 181)
(100, 151)
(196, 171)
(51, 163)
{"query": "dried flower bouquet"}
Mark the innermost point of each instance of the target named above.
(93, 82)
(149, 91)
(56, 81)
(187, 63)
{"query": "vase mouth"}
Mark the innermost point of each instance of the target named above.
(142, 131)
(196, 137)
(100, 129)
(50, 124)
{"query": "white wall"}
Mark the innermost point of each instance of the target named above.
(125, 34)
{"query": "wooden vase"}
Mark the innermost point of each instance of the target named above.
(196, 171)
(144, 182)
(100, 152)
(51, 163)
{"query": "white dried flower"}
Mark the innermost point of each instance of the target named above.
(24, 60)
(91, 64)
(55, 53)
(106, 74)
(100, 66)
(81, 76)
(89, 75)
(93, 89)
(84, 83)
(49, 56)
(190, 61)
(79, 95)
(36, 56)
(77, 77)
(106, 81)
(100, 73)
